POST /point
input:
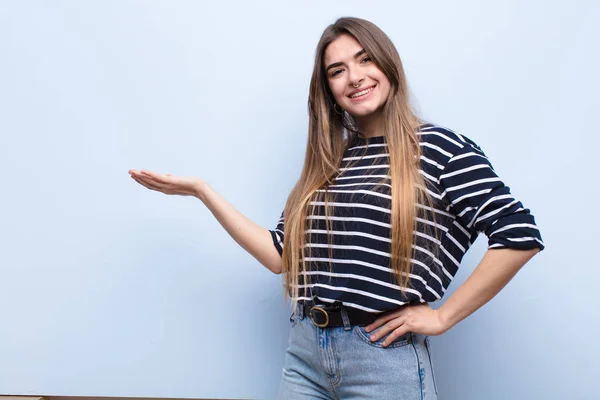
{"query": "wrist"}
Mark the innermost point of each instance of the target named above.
(444, 318)
(200, 189)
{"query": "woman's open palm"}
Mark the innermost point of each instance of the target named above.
(167, 183)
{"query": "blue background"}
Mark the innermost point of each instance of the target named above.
(108, 289)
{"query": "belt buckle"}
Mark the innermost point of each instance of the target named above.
(321, 309)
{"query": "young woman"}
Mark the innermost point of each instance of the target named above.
(375, 228)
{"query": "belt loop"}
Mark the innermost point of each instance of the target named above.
(300, 309)
(345, 318)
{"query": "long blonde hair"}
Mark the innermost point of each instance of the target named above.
(327, 143)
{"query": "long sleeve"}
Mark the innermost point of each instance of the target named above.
(277, 235)
(482, 202)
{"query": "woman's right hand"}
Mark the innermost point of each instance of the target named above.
(254, 239)
(167, 183)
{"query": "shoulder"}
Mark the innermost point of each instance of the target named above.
(442, 143)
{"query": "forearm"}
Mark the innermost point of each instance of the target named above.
(253, 238)
(494, 271)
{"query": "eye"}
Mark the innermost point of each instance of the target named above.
(366, 59)
(336, 72)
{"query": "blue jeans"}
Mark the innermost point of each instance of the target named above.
(342, 363)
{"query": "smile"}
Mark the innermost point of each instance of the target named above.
(362, 94)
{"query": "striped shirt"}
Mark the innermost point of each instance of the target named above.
(353, 265)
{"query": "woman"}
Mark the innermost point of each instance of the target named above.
(375, 229)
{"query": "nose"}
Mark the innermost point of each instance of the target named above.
(356, 78)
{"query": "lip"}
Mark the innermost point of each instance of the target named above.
(360, 90)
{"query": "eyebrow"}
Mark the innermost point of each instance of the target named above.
(337, 64)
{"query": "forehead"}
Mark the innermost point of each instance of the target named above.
(341, 49)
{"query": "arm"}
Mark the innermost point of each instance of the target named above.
(481, 202)
(495, 270)
(254, 239)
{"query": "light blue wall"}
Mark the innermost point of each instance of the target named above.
(109, 289)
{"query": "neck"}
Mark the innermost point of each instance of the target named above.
(370, 125)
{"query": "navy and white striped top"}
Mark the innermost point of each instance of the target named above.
(468, 196)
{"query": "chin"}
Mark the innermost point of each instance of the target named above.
(362, 113)
(364, 110)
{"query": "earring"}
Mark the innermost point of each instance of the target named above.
(335, 108)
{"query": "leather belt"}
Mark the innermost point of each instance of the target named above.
(332, 315)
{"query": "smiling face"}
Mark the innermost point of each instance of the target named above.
(357, 84)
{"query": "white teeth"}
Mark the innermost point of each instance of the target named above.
(361, 93)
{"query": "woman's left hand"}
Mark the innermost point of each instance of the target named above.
(419, 318)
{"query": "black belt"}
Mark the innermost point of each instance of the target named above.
(331, 315)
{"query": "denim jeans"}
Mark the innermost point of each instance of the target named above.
(342, 363)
